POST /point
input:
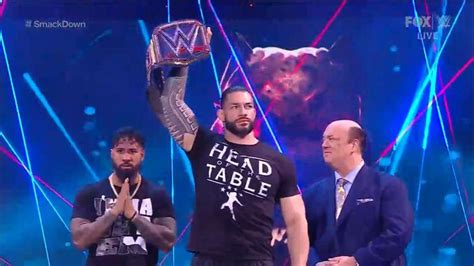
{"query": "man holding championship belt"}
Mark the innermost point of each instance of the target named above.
(238, 179)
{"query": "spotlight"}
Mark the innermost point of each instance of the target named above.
(454, 155)
(446, 252)
(88, 126)
(102, 144)
(424, 224)
(89, 110)
(450, 203)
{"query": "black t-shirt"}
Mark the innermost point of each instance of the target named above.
(122, 244)
(236, 190)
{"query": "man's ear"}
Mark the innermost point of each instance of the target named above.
(356, 145)
(220, 115)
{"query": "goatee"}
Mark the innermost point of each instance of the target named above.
(239, 131)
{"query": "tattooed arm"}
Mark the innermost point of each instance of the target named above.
(85, 232)
(161, 233)
(167, 101)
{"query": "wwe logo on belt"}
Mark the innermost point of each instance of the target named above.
(181, 42)
(177, 43)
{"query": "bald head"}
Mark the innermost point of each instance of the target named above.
(352, 130)
(344, 124)
(343, 141)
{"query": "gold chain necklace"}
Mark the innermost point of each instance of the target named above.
(134, 192)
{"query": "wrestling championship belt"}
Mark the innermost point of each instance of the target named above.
(178, 43)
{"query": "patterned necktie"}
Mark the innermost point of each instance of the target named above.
(340, 195)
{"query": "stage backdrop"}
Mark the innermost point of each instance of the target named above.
(72, 73)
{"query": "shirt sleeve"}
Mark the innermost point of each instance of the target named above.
(203, 135)
(288, 186)
(84, 204)
(162, 204)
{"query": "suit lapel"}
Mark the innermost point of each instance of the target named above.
(357, 189)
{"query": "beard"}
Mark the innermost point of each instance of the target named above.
(239, 131)
(123, 174)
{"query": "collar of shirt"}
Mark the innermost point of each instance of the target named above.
(352, 174)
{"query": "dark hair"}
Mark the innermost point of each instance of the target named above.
(128, 133)
(231, 90)
(359, 134)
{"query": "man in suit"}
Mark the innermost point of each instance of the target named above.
(358, 216)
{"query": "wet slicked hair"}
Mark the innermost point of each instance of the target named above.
(359, 134)
(130, 134)
(232, 90)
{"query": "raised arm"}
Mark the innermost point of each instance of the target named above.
(166, 97)
(167, 101)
